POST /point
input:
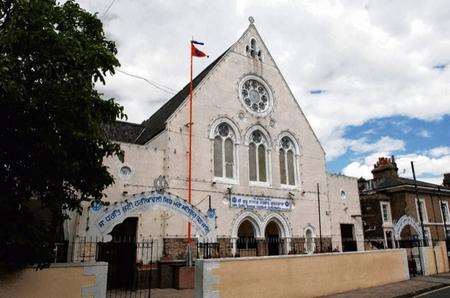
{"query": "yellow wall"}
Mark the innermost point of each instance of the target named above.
(60, 281)
(299, 276)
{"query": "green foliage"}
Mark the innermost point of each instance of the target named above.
(52, 142)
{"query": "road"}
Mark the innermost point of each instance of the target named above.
(440, 293)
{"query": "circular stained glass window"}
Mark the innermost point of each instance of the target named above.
(255, 96)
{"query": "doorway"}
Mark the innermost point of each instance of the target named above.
(348, 237)
(246, 243)
(272, 234)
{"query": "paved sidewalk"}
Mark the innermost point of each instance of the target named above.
(408, 288)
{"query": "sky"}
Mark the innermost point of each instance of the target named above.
(372, 77)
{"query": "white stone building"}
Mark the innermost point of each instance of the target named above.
(256, 160)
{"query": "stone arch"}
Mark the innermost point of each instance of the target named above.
(295, 141)
(230, 122)
(309, 227)
(262, 129)
(283, 225)
(404, 221)
(252, 218)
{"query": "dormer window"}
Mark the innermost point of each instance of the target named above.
(253, 50)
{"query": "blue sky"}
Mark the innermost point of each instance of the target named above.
(419, 137)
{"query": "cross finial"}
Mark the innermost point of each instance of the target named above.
(251, 19)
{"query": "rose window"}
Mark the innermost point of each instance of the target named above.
(255, 96)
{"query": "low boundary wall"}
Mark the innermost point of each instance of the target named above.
(59, 280)
(435, 261)
(299, 275)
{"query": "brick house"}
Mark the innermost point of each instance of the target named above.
(389, 207)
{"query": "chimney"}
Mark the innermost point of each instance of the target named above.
(446, 181)
(385, 167)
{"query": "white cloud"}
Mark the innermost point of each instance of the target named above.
(428, 167)
(423, 133)
(340, 145)
(439, 151)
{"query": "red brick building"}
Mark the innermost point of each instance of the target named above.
(390, 208)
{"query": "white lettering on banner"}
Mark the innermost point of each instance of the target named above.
(249, 202)
(110, 216)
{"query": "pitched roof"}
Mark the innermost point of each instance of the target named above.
(388, 182)
(157, 122)
(126, 132)
(142, 133)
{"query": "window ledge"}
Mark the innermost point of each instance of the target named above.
(225, 181)
(289, 187)
(388, 224)
(259, 184)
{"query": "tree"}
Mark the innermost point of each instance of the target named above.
(52, 141)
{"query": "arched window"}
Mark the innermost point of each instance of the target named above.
(309, 241)
(287, 161)
(258, 157)
(224, 155)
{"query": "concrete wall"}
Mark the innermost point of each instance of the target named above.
(435, 259)
(60, 280)
(344, 210)
(299, 275)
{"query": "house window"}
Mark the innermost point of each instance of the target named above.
(309, 241)
(287, 162)
(445, 214)
(386, 212)
(423, 210)
(258, 157)
(224, 152)
(343, 195)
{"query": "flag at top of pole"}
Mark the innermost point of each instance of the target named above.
(194, 53)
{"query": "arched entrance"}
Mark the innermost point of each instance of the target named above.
(246, 243)
(272, 234)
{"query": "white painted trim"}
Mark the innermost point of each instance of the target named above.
(448, 212)
(230, 122)
(388, 204)
(424, 214)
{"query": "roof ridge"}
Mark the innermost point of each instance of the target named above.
(157, 121)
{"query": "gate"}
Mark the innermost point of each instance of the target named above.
(130, 267)
(412, 247)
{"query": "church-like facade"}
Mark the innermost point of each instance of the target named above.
(259, 180)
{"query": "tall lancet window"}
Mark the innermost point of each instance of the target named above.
(258, 157)
(224, 140)
(287, 161)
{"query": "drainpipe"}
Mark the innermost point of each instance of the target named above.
(320, 219)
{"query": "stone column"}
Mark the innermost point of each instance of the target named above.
(233, 246)
(261, 246)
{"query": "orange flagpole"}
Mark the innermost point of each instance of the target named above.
(190, 145)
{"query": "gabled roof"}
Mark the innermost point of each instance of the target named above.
(142, 133)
